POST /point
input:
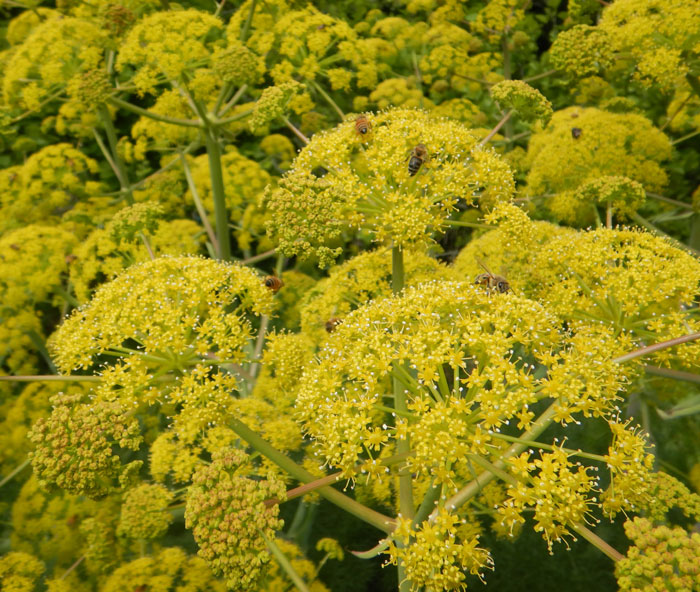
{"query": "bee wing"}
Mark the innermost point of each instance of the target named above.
(486, 269)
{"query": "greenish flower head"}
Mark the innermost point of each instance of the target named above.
(229, 520)
(129, 222)
(623, 195)
(400, 183)
(528, 102)
(582, 51)
(237, 65)
(144, 513)
(273, 104)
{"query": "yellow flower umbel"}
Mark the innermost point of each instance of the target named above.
(659, 35)
(528, 102)
(164, 46)
(183, 305)
(145, 513)
(229, 519)
(581, 145)
(49, 57)
(170, 570)
(400, 183)
(451, 346)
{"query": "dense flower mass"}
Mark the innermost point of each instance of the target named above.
(400, 181)
(269, 268)
(229, 520)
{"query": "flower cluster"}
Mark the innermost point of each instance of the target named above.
(662, 558)
(168, 45)
(400, 183)
(144, 513)
(528, 102)
(170, 570)
(438, 553)
(186, 306)
(229, 519)
(581, 145)
(76, 445)
(560, 492)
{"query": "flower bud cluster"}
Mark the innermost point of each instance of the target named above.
(144, 513)
(662, 558)
(229, 519)
(76, 444)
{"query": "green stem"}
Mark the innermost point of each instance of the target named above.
(650, 349)
(402, 446)
(397, 270)
(39, 344)
(50, 378)
(162, 118)
(234, 99)
(284, 563)
(379, 521)
(535, 444)
(258, 258)
(329, 100)
(72, 567)
(200, 206)
(147, 244)
(233, 118)
(473, 488)
(219, 194)
(121, 172)
(246, 26)
(497, 127)
(67, 296)
(507, 74)
(295, 130)
(686, 137)
(675, 202)
(16, 471)
(539, 76)
(675, 374)
(468, 224)
(597, 542)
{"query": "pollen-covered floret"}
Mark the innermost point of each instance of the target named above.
(229, 519)
(438, 553)
(401, 184)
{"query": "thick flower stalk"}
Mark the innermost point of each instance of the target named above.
(229, 520)
(400, 183)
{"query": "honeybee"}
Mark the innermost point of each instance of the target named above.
(274, 283)
(492, 282)
(70, 258)
(576, 132)
(332, 323)
(418, 156)
(363, 126)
